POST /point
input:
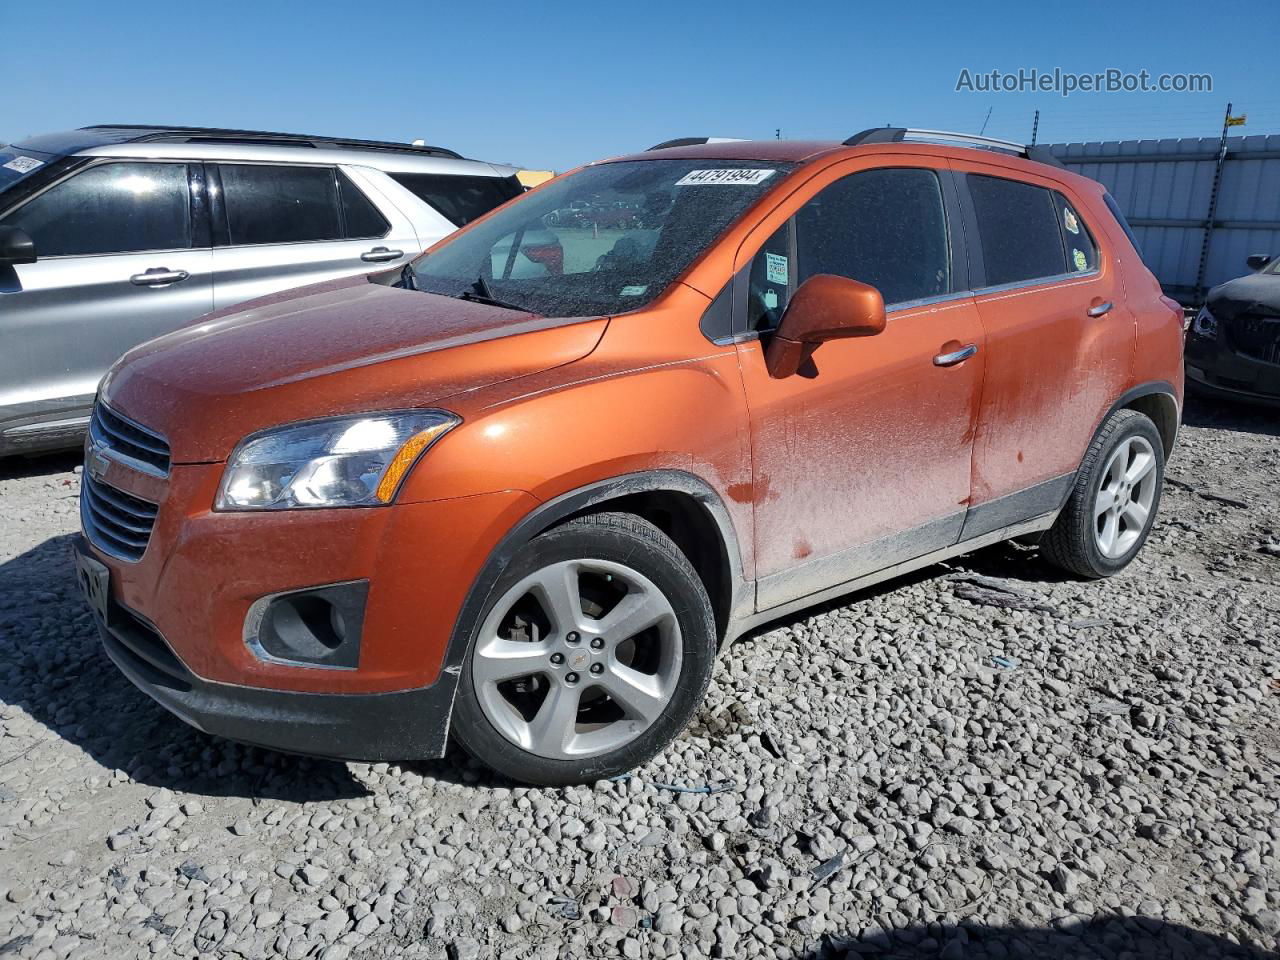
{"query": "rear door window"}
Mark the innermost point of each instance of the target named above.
(360, 218)
(110, 208)
(1018, 225)
(459, 199)
(1082, 252)
(279, 204)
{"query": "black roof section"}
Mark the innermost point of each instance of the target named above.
(109, 133)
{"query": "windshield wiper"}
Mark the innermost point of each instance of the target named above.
(481, 292)
(408, 279)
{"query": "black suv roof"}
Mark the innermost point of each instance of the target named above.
(71, 141)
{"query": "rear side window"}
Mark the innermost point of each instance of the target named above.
(1018, 227)
(1082, 252)
(1124, 224)
(459, 199)
(361, 219)
(274, 204)
(110, 208)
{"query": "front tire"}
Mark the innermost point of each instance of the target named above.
(594, 649)
(1114, 501)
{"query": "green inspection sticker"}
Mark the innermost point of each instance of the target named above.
(1079, 259)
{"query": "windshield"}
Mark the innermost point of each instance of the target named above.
(1272, 267)
(605, 240)
(16, 164)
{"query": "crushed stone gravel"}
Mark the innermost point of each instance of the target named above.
(983, 759)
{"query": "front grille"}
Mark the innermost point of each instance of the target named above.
(1257, 337)
(116, 522)
(126, 439)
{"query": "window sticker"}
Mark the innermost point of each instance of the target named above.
(633, 291)
(1079, 259)
(770, 300)
(23, 164)
(1069, 220)
(724, 178)
(775, 268)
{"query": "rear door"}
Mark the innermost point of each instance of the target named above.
(1059, 341)
(278, 226)
(123, 256)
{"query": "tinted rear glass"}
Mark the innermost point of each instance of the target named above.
(1124, 224)
(110, 208)
(459, 199)
(1018, 226)
(361, 218)
(277, 204)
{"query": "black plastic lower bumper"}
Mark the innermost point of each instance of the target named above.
(1216, 370)
(405, 725)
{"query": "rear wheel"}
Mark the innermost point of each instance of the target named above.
(594, 651)
(1113, 504)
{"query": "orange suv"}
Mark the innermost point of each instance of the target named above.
(522, 490)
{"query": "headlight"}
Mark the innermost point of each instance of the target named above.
(342, 462)
(1205, 324)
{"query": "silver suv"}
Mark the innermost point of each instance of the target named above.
(112, 235)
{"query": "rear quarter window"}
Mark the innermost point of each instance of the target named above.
(459, 199)
(1018, 229)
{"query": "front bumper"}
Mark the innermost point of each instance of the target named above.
(176, 618)
(1214, 369)
(406, 725)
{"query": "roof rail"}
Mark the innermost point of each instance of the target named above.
(149, 133)
(694, 142)
(904, 134)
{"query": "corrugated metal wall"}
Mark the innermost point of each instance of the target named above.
(1164, 188)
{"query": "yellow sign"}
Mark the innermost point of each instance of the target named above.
(1237, 121)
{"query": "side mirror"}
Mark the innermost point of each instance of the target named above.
(826, 307)
(16, 246)
(1257, 261)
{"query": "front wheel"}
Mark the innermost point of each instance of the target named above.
(1114, 501)
(593, 652)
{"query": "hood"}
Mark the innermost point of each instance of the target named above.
(342, 347)
(1257, 294)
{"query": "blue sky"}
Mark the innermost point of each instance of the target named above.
(554, 85)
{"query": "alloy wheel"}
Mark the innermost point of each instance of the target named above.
(577, 659)
(1122, 507)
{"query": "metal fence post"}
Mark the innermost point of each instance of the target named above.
(1213, 209)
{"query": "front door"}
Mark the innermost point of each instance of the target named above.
(119, 261)
(862, 460)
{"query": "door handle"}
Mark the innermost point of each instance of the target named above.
(158, 277)
(1100, 309)
(955, 356)
(381, 255)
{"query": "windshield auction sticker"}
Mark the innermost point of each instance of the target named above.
(27, 164)
(724, 178)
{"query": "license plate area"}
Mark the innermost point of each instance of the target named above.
(95, 584)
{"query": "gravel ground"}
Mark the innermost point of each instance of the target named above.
(984, 759)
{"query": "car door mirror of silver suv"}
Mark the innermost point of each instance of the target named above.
(1257, 261)
(16, 246)
(825, 307)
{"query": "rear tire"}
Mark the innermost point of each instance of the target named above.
(1114, 500)
(594, 649)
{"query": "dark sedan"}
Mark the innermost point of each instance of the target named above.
(1233, 346)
